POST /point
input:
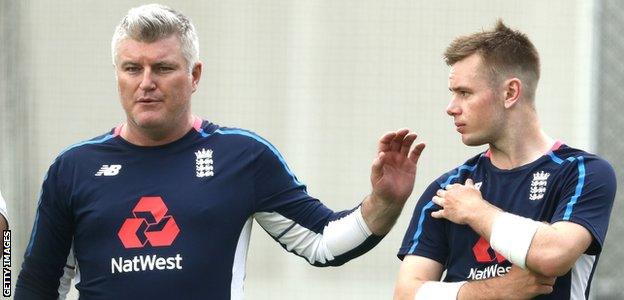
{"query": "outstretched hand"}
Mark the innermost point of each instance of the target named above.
(392, 178)
(394, 170)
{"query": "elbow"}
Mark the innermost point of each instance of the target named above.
(406, 290)
(552, 263)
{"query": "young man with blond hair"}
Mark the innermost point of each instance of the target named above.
(526, 218)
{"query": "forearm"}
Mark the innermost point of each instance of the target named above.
(487, 289)
(342, 237)
(380, 215)
(483, 219)
(546, 249)
(556, 248)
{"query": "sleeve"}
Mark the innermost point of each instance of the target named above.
(50, 241)
(69, 272)
(302, 224)
(426, 236)
(588, 192)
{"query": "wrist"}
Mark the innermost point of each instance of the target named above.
(380, 215)
(478, 289)
(482, 219)
(512, 235)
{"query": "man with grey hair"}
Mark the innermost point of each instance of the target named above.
(162, 205)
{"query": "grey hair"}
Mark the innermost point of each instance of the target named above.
(152, 22)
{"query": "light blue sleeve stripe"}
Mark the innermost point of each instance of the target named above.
(421, 219)
(103, 139)
(203, 133)
(455, 176)
(579, 189)
(266, 143)
(554, 157)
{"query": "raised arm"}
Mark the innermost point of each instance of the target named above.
(305, 226)
(392, 178)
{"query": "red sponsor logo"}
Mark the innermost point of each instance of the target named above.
(484, 253)
(151, 223)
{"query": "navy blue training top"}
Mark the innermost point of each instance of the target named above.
(174, 221)
(566, 184)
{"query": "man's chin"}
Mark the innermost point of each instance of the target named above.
(472, 142)
(148, 122)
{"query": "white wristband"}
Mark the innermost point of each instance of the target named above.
(511, 236)
(438, 290)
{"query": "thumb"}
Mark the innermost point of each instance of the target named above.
(377, 167)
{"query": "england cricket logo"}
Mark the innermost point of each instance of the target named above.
(538, 185)
(203, 163)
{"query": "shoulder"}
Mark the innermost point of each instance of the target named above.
(86, 145)
(460, 173)
(80, 149)
(238, 136)
(581, 159)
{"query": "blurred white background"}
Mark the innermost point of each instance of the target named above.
(321, 80)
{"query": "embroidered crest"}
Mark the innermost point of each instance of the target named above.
(203, 163)
(538, 185)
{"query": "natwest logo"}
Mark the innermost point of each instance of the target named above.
(484, 253)
(150, 224)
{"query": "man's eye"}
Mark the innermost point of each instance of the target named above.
(165, 69)
(131, 69)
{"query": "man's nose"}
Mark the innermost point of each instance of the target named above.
(452, 109)
(147, 83)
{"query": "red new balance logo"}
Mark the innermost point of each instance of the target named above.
(150, 224)
(484, 253)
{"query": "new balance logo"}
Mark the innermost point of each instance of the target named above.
(108, 170)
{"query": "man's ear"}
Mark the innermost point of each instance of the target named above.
(512, 91)
(196, 73)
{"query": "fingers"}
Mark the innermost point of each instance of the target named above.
(438, 200)
(385, 141)
(546, 280)
(439, 214)
(401, 141)
(407, 142)
(415, 154)
(452, 186)
(398, 140)
(545, 289)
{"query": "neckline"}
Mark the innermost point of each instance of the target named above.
(545, 156)
(197, 128)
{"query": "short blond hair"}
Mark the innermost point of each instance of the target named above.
(503, 51)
